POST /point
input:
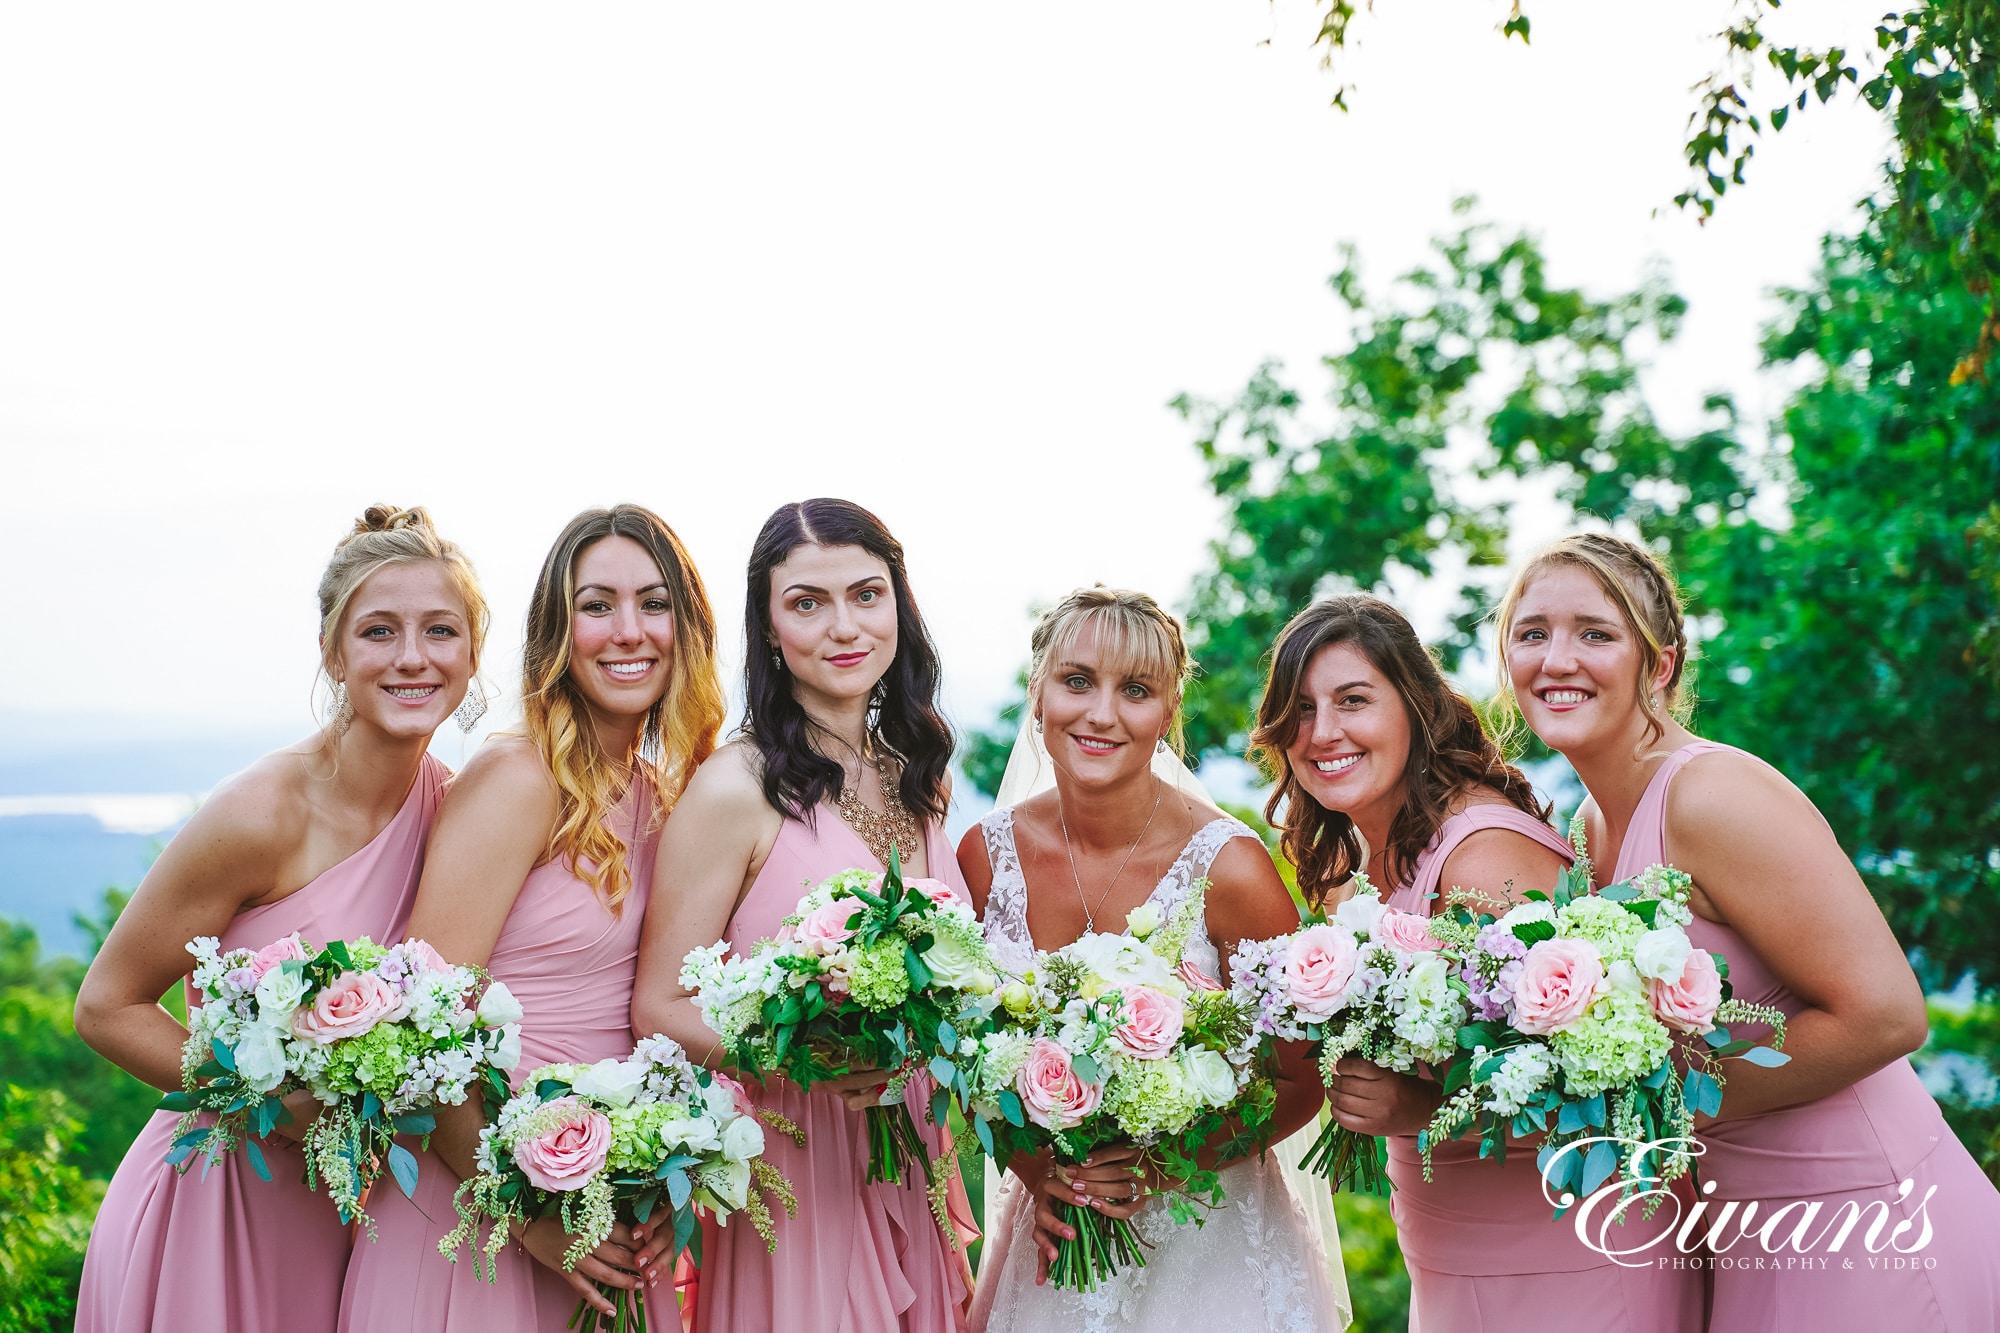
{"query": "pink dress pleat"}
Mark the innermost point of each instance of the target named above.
(570, 961)
(1851, 1147)
(858, 1258)
(231, 1253)
(1484, 1249)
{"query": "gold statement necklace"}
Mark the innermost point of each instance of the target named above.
(891, 827)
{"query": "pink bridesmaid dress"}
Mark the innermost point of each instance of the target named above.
(1480, 1239)
(1856, 1145)
(570, 961)
(858, 1258)
(231, 1252)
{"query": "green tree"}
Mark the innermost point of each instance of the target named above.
(1474, 369)
(46, 1206)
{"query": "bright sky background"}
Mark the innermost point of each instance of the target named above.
(262, 265)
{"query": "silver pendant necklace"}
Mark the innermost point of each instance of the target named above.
(1090, 917)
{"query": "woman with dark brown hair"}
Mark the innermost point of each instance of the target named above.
(1383, 766)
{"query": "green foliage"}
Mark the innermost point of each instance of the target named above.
(1377, 1281)
(47, 1206)
(1963, 1053)
(983, 751)
(1846, 645)
(1398, 485)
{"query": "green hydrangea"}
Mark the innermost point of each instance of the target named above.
(375, 1061)
(879, 979)
(1608, 925)
(366, 953)
(1616, 1041)
(635, 1133)
(1149, 1097)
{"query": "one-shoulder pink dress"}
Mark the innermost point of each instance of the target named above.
(233, 1253)
(1480, 1239)
(1849, 1152)
(570, 961)
(858, 1258)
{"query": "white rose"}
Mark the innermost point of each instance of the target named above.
(1622, 976)
(955, 963)
(1121, 961)
(729, 1181)
(743, 1138)
(615, 1082)
(1662, 955)
(1429, 979)
(498, 1007)
(260, 1056)
(279, 995)
(1522, 914)
(507, 1053)
(696, 1135)
(1360, 913)
(1209, 1076)
(718, 1102)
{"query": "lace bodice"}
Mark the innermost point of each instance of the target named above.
(1007, 900)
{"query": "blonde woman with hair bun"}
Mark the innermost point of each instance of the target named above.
(326, 838)
(1111, 834)
(540, 872)
(1593, 655)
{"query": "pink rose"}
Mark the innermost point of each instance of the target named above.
(936, 890)
(567, 1156)
(276, 952)
(1052, 1094)
(737, 1093)
(1406, 932)
(424, 956)
(1559, 979)
(1689, 1005)
(1195, 978)
(1152, 1023)
(350, 1006)
(825, 929)
(1319, 963)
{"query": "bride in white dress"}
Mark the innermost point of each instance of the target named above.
(1109, 835)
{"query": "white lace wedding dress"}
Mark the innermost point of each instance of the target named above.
(1254, 1264)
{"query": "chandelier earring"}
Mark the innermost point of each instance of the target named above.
(879, 695)
(1038, 726)
(340, 710)
(471, 708)
(777, 658)
(1160, 747)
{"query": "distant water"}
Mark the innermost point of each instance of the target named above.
(59, 854)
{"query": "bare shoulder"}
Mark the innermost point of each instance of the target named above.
(729, 784)
(505, 778)
(1500, 864)
(263, 812)
(1724, 795)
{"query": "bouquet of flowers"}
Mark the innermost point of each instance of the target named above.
(1116, 1037)
(1372, 982)
(381, 1036)
(1578, 1002)
(621, 1139)
(871, 971)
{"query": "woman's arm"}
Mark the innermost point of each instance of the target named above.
(714, 843)
(232, 851)
(1765, 864)
(1496, 865)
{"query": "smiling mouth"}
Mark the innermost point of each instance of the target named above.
(411, 691)
(847, 659)
(1562, 698)
(1095, 744)
(1340, 765)
(627, 670)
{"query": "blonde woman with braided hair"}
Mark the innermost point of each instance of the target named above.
(326, 838)
(1113, 833)
(1594, 656)
(540, 872)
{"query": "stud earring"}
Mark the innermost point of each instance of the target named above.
(471, 708)
(340, 712)
(1656, 701)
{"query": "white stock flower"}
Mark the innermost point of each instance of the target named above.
(1662, 954)
(1360, 913)
(616, 1082)
(498, 1007)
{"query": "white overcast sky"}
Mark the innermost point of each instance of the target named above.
(263, 265)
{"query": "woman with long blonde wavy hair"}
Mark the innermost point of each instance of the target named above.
(540, 871)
